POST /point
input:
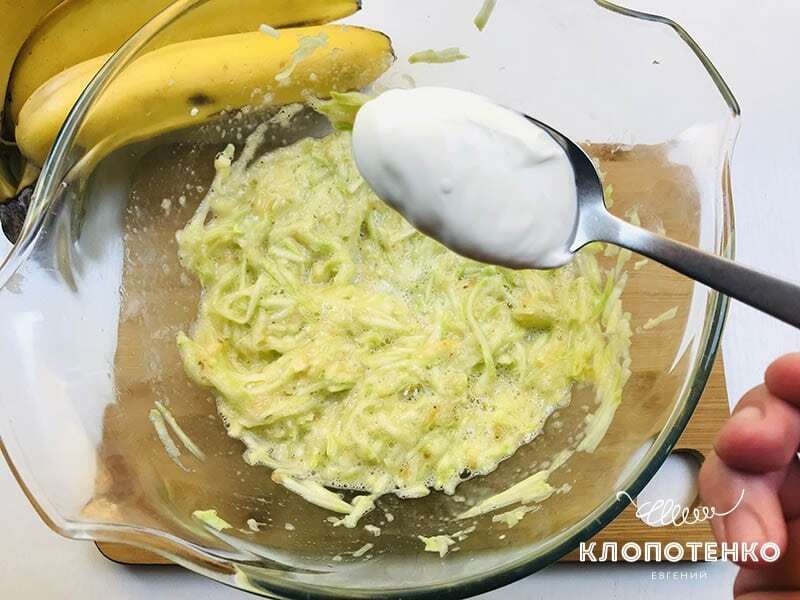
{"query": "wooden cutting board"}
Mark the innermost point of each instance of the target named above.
(697, 438)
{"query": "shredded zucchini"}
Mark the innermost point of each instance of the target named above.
(437, 543)
(188, 443)
(349, 351)
(531, 490)
(513, 517)
(482, 18)
(172, 450)
(305, 48)
(442, 543)
(341, 108)
(269, 30)
(314, 493)
(667, 315)
(212, 519)
(363, 550)
(431, 56)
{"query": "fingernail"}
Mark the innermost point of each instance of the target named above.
(744, 525)
(748, 414)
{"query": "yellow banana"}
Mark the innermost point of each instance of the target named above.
(82, 29)
(184, 83)
(29, 175)
(18, 19)
(7, 186)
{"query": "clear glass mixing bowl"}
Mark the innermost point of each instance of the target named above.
(92, 297)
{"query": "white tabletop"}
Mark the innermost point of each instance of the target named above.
(755, 46)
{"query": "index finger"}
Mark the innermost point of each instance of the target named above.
(763, 434)
(783, 378)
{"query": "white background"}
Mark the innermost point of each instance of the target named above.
(755, 46)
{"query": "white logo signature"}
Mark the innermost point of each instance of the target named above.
(668, 512)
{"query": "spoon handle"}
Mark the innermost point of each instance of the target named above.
(771, 295)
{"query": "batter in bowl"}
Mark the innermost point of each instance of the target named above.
(349, 351)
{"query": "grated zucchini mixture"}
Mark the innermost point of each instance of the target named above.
(347, 350)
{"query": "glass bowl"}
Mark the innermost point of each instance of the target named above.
(92, 297)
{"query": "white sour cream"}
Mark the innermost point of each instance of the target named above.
(476, 176)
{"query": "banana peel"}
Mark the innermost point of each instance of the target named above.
(79, 30)
(186, 83)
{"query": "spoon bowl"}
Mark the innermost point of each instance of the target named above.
(592, 210)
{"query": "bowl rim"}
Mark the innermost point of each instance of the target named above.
(60, 165)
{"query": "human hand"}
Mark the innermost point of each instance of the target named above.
(756, 451)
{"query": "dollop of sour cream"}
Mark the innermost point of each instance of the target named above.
(480, 178)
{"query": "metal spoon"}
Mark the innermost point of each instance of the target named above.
(771, 295)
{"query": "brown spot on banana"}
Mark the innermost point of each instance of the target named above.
(200, 99)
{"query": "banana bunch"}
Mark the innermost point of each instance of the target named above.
(213, 59)
(19, 20)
